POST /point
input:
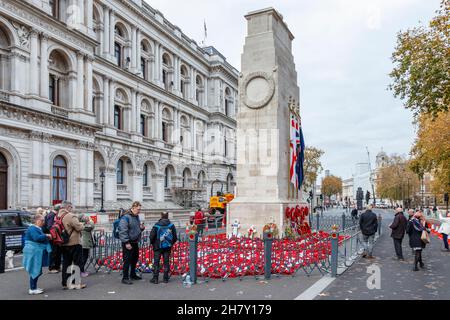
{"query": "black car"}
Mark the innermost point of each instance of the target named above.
(14, 223)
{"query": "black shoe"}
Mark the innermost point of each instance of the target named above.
(166, 280)
(136, 277)
(416, 269)
(154, 280)
(422, 265)
(127, 281)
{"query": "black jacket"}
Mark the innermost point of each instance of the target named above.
(354, 212)
(368, 223)
(398, 226)
(415, 235)
(154, 233)
(130, 228)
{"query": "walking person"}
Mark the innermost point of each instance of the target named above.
(71, 250)
(130, 230)
(415, 229)
(55, 256)
(368, 223)
(163, 236)
(444, 229)
(87, 242)
(398, 227)
(354, 213)
(200, 221)
(36, 252)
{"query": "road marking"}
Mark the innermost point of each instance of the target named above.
(14, 269)
(316, 288)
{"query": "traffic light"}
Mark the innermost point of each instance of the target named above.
(310, 194)
(321, 197)
(446, 197)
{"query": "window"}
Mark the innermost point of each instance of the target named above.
(145, 176)
(182, 87)
(164, 78)
(144, 68)
(226, 147)
(52, 94)
(164, 132)
(226, 107)
(118, 54)
(119, 172)
(59, 180)
(54, 6)
(166, 178)
(117, 118)
(143, 125)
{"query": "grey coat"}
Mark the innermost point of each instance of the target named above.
(130, 228)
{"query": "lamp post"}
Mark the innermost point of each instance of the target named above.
(102, 180)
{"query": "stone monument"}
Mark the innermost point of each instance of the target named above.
(268, 92)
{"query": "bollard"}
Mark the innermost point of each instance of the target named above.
(317, 222)
(193, 242)
(2, 252)
(379, 224)
(343, 221)
(334, 253)
(268, 240)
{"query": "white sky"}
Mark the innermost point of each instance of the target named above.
(342, 51)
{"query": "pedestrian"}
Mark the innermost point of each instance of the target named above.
(200, 221)
(444, 229)
(415, 229)
(163, 236)
(398, 227)
(354, 213)
(36, 252)
(87, 242)
(72, 250)
(368, 223)
(410, 214)
(130, 230)
(55, 256)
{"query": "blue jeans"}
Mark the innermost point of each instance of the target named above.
(445, 238)
(33, 283)
(368, 243)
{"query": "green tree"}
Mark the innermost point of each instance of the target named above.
(331, 185)
(421, 74)
(312, 166)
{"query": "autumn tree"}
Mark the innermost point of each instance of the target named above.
(421, 74)
(396, 181)
(312, 166)
(331, 185)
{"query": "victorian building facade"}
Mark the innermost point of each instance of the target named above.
(109, 86)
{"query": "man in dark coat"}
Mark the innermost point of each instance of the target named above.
(163, 236)
(368, 223)
(354, 213)
(398, 227)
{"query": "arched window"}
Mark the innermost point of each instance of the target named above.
(225, 146)
(52, 90)
(54, 7)
(118, 53)
(59, 85)
(166, 178)
(118, 117)
(3, 182)
(143, 118)
(119, 171)
(145, 176)
(59, 193)
(186, 176)
(5, 63)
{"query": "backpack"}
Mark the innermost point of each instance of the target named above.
(58, 232)
(165, 236)
(116, 227)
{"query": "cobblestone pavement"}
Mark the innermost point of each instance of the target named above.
(398, 281)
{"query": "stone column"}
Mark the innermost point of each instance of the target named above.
(112, 24)
(112, 95)
(134, 49)
(80, 81)
(89, 16)
(136, 187)
(110, 184)
(73, 86)
(134, 124)
(106, 101)
(36, 166)
(158, 187)
(106, 34)
(194, 133)
(89, 84)
(138, 51)
(34, 68)
(137, 118)
(44, 66)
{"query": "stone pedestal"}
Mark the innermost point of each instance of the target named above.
(267, 84)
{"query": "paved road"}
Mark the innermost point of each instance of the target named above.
(398, 281)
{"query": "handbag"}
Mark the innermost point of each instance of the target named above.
(425, 237)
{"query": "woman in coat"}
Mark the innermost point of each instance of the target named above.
(36, 252)
(444, 229)
(87, 242)
(414, 229)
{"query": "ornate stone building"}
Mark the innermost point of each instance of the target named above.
(92, 86)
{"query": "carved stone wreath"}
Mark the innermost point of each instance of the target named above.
(258, 89)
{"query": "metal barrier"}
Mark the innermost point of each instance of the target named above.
(2, 252)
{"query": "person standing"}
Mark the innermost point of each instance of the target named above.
(130, 230)
(200, 221)
(87, 242)
(72, 250)
(55, 256)
(444, 229)
(354, 213)
(410, 214)
(415, 228)
(36, 252)
(368, 223)
(398, 227)
(163, 236)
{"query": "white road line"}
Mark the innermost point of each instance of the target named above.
(14, 269)
(316, 288)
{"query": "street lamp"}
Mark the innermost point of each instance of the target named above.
(102, 180)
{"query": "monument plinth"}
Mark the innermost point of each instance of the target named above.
(268, 83)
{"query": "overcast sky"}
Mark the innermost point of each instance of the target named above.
(342, 51)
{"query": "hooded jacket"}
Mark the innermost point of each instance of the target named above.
(154, 233)
(368, 223)
(129, 228)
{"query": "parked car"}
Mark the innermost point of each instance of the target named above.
(14, 223)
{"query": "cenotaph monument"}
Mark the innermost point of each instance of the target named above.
(269, 94)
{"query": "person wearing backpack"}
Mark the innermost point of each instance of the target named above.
(163, 237)
(55, 256)
(129, 233)
(71, 240)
